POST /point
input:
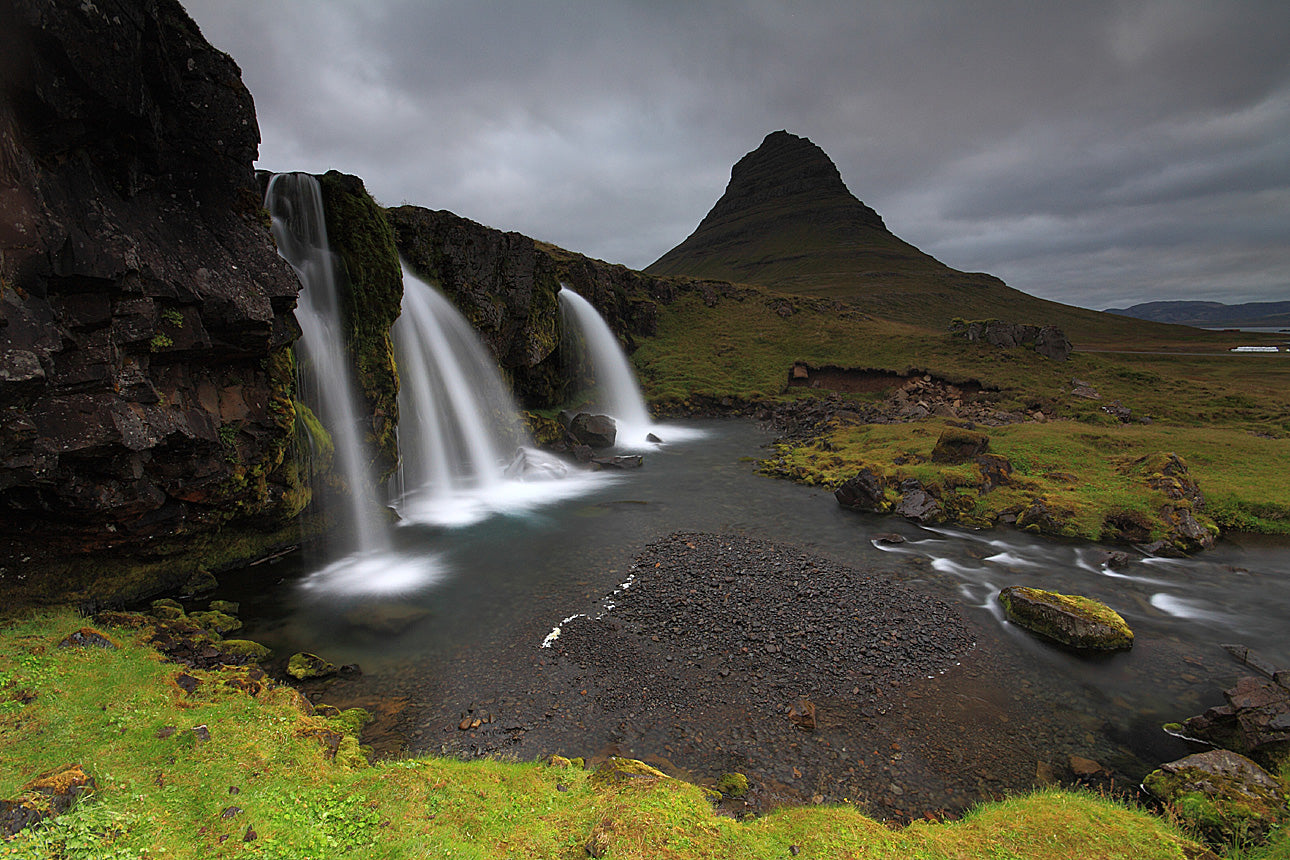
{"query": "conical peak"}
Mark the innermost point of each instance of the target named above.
(787, 167)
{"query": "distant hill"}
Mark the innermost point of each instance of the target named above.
(1211, 314)
(787, 221)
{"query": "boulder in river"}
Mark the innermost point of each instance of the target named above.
(867, 491)
(596, 431)
(1225, 797)
(1074, 621)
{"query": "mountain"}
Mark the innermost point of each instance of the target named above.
(1211, 314)
(787, 221)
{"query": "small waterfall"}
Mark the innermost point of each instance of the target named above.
(361, 543)
(615, 391)
(463, 451)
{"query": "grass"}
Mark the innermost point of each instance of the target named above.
(263, 772)
(1227, 416)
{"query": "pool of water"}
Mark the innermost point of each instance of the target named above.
(457, 606)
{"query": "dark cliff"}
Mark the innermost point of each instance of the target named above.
(507, 285)
(144, 312)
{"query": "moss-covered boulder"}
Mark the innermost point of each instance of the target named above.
(304, 666)
(733, 785)
(371, 288)
(246, 648)
(957, 445)
(167, 608)
(619, 771)
(1222, 796)
(215, 622)
(1075, 621)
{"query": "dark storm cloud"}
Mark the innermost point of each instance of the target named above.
(1093, 152)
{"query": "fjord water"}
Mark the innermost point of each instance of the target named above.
(509, 579)
(464, 454)
(358, 553)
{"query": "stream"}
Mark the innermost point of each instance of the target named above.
(454, 624)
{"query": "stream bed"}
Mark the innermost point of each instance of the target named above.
(449, 636)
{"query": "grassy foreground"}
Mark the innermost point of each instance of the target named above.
(262, 784)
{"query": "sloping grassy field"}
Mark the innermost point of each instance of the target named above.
(263, 785)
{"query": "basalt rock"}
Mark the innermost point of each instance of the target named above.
(48, 795)
(144, 311)
(865, 492)
(1075, 621)
(595, 431)
(1254, 722)
(1049, 341)
(1224, 796)
(957, 445)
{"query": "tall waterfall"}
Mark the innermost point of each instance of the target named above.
(360, 546)
(614, 389)
(464, 454)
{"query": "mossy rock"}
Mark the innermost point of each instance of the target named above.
(1222, 796)
(957, 445)
(228, 607)
(246, 648)
(1074, 621)
(352, 720)
(733, 784)
(620, 771)
(215, 622)
(168, 609)
(304, 666)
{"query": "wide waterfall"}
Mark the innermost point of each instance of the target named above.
(360, 545)
(612, 385)
(464, 453)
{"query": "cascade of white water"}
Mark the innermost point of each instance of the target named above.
(464, 453)
(615, 391)
(294, 201)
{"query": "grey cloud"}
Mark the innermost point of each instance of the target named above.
(1075, 149)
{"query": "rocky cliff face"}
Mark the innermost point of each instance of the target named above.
(144, 311)
(507, 286)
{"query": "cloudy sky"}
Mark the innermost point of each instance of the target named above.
(1096, 153)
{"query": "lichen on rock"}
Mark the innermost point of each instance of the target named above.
(1223, 796)
(1076, 621)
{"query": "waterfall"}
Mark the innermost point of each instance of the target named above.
(614, 390)
(361, 544)
(464, 453)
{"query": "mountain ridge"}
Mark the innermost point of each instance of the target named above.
(1209, 313)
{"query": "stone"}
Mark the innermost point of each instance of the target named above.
(200, 582)
(732, 784)
(216, 622)
(1084, 767)
(386, 618)
(228, 607)
(1254, 722)
(1049, 341)
(1223, 796)
(168, 609)
(802, 713)
(865, 492)
(48, 795)
(1075, 621)
(889, 538)
(253, 651)
(632, 461)
(304, 666)
(594, 431)
(650, 437)
(921, 506)
(88, 637)
(996, 471)
(957, 445)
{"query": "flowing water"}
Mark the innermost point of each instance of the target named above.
(612, 384)
(507, 580)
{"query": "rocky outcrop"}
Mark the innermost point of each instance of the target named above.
(507, 285)
(1074, 621)
(1049, 341)
(1226, 798)
(144, 312)
(370, 281)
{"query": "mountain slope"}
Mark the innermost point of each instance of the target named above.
(787, 221)
(1210, 313)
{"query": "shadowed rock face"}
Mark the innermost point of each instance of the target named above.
(144, 310)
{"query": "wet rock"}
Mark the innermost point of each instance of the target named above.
(802, 713)
(867, 491)
(1075, 621)
(88, 637)
(216, 622)
(48, 795)
(996, 471)
(1084, 767)
(650, 437)
(621, 462)
(595, 431)
(167, 608)
(228, 607)
(1254, 722)
(253, 651)
(386, 618)
(889, 538)
(1224, 796)
(921, 506)
(957, 445)
(304, 666)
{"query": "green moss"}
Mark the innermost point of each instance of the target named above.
(372, 293)
(733, 784)
(216, 622)
(246, 648)
(1098, 627)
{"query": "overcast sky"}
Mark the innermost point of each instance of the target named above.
(1096, 153)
